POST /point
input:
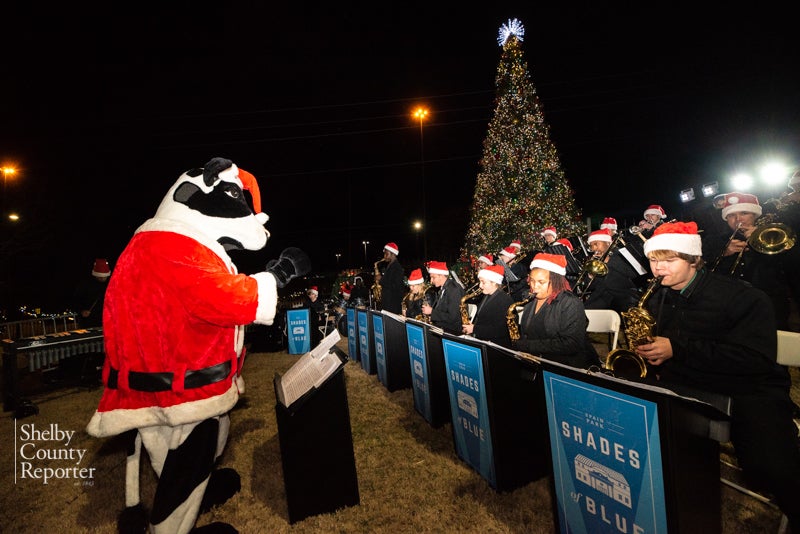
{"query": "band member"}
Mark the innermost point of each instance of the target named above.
(485, 260)
(316, 312)
(717, 334)
(489, 322)
(516, 245)
(554, 323)
(729, 254)
(515, 273)
(391, 281)
(654, 216)
(610, 224)
(445, 312)
(416, 296)
(616, 289)
(556, 246)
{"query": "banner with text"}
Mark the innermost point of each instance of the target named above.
(607, 464)
(352, 337)
(380, 348)
(419, 370)
(363, 341)
(298, 326)
(469, 408)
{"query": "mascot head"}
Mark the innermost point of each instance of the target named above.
(221, 201)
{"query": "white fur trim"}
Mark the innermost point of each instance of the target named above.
(686, 243)
(599, 237)
(111, 423)
(267, 298)
(548, 231)
(653, 212)
(486, 260)
(548, 266)
(415, 282)
(392, 250)
(439, 271)
(739, 207)
(492, 276)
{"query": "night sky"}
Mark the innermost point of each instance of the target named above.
(103, 109)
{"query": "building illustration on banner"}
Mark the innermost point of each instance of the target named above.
(603, 479)
(467, 403)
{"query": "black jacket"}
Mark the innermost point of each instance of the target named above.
(393, 287)
(446, 312)
(723, 337)
(557, 332)
(490, 319)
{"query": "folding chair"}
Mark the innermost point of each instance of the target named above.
(605, 321)
(789, 355)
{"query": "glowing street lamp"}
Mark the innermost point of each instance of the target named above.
(365, 243)
(421, 113)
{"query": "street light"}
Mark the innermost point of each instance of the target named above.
(337, 258)
(417, 226)
(365, 243)
(421, 113)
(7, 171)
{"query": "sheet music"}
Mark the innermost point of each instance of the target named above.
(310, 371)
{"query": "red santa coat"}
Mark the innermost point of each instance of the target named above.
(174, 305)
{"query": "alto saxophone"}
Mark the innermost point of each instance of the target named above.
(376, 286)
(511, 317)
(639, 325)
(423, 295)
(463, 306)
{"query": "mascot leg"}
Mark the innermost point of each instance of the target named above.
(183, 458)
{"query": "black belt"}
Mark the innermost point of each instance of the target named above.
(153, 382)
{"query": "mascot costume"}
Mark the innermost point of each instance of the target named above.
(173, 323)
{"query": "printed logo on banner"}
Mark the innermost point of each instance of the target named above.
(352, 340)
(606, 459)
(299, 330)
(363, 340)
(380, 348)
(468, 406)
(419, 370)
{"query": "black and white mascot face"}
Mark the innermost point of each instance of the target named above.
(220, 201)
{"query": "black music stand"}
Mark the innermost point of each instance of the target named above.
(394, 370)
(633, 453)
(316, 442)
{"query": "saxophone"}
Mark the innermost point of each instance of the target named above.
(423, 295)
(511, 316)
(639, 325)
(463, 306)
(376, 286)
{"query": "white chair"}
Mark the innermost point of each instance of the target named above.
(605, 321)
(789, 348)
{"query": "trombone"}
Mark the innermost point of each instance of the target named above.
(768, 237)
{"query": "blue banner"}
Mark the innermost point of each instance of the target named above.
(606, 459)
(352, 338)
(380, 348)
(419, 370)
(363, 341)
(468, 406)
(298, 330)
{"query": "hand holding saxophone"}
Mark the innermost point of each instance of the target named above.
(655, 352)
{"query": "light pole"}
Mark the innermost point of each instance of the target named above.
(337, 259)
(417, 226)
(421, 113)
(7, 171)
(365, 243)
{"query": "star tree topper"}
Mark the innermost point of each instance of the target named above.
(512, 27)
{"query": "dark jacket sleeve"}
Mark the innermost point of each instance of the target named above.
(447, 313)
(565, 325)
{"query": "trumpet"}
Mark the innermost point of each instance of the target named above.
(596, 267)
(768, 237)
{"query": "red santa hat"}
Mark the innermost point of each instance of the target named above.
(516, 244)
(438, 267)
(609, 223)
(510, 252)
(677, 236)
(415, 277)
(313, 290)
(550, 230)
(345, 290)
(555, 263)
(565, 242)
(739, 202)
(249, 183)
(600, 235)
(493, 273)
(488, 259)
(101, 268)
(655, 209)
(393, 248)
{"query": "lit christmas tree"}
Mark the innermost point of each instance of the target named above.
(521, 187)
